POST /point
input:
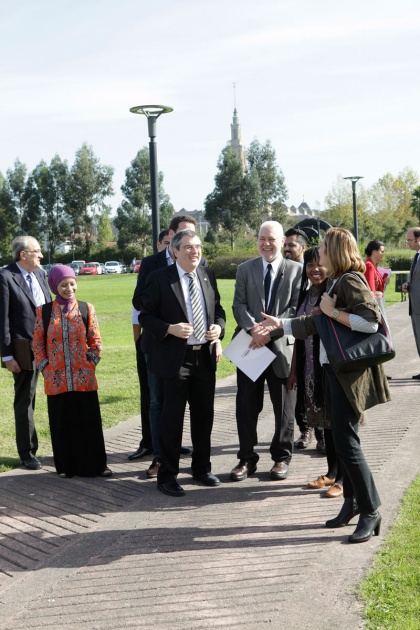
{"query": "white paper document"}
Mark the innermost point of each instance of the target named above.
(252, 362)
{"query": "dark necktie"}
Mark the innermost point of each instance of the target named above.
(197, 311)
(267, 286)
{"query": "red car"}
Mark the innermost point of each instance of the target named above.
(136, 267)
(89, 269)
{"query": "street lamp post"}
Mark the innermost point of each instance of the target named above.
(152, 113)
(354, 179)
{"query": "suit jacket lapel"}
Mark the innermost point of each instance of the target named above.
(176, 287)
(258, 275)
(21, 282)
(205, 286)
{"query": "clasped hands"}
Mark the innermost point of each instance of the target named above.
(260, 332)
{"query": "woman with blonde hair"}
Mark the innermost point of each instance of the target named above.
(347, 395)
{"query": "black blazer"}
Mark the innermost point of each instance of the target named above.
(149, 264)
(163, 304)
(17, 306)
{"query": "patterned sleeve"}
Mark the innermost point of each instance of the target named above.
(93, 336)
(39, 341)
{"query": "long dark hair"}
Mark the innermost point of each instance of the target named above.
(309, 255)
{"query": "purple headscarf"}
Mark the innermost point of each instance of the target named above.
(56, 275)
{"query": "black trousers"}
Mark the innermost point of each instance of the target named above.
(357, 478)
(24, 405)
(195, 383)
(146, 439)
(249, 404)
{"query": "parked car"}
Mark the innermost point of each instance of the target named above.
(136, 266)
(79, 262)
(76, 266)
(112, 266)
(90, 269)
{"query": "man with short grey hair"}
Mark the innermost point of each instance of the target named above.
(269, 283)
(22, 288)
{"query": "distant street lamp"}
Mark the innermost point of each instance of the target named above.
(354, 179)
(152, 113)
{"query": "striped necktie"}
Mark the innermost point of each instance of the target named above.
(34, 290)
(197, 311)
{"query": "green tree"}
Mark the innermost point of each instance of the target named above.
(133, 219)
(261, 158)
(104, 227)
(13, 193)
(415, 204)
(46, 216)
(9, 221)
(390, 199)
(339, 209)
(90, 184)
(233, 204)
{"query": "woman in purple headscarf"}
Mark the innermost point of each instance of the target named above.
(67, 346)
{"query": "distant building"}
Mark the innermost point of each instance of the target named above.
(236, 139)
(303, 211)
(202, 224)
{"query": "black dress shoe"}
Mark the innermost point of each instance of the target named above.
(416, 377)
(32, 463)
(141, 452)
(172, 488)
(368, 525)
(208, 479)
(185, 450)
(107, 472)
(242, 470)
(348, 511)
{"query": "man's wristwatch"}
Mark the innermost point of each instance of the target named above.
(335, 313)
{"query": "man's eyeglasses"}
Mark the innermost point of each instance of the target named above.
(32, 251)
(189, 248)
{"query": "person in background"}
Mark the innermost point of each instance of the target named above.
(375, 252)
(145, 446)
(67, 351)
(348, 394)
(307, 374)
(22, 288)
(295, 243)
(412, 287)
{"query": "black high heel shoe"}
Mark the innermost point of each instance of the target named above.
(368, 525)
(348, 511)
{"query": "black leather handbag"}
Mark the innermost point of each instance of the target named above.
(349, 350)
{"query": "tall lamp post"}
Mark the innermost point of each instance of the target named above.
(354, 179)
(152, 113)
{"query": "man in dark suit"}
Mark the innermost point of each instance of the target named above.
(268, 282)
(412, 287)
(155, 385)
(181, 308)
(22, 289)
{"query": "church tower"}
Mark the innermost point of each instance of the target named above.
(236, 135)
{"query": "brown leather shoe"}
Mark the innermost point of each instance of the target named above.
(335, 491)
(321, 482)
(152, 471)
(242, 470)
(305, 438)
(279, 471)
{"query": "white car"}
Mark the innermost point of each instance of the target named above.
(113, 266)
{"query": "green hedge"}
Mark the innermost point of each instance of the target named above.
(225, 266)
(398, 263)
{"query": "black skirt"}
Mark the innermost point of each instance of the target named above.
(76, 433)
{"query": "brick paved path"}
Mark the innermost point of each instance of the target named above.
(116, 554)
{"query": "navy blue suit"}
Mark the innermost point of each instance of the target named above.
(17, 321)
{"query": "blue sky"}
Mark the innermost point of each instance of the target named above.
(333, 85)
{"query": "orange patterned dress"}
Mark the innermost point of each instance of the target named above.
(67, 357)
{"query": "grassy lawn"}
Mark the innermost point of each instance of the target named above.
(391, 591)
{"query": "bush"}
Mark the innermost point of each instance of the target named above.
(225, 266)
(397, 262)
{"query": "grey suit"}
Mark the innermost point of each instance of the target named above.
(248, 303)
(414, 301)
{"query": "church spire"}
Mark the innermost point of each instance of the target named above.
(236, 133)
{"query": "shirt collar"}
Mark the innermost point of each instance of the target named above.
(275, 264)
